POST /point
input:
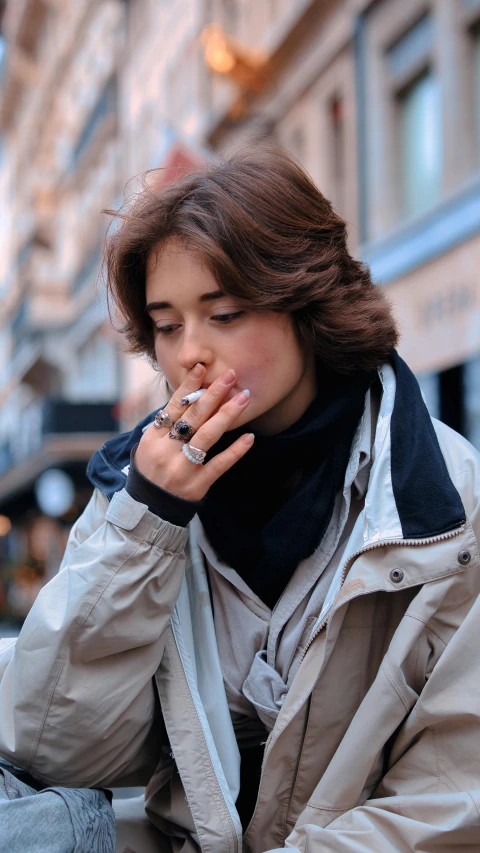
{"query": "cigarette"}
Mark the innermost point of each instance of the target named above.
(190, 398)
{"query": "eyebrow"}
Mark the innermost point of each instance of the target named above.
(205, 297)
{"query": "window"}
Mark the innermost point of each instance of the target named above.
(430, 388)
(412, 50)
(472, 401)
(86, 274)
(453, 396)
(274, 7)
(2, 56)
(231, 16)
(467, 106)
(95, 377)
(297, 144)
(337, 152)
(420, 145)
(415, 92)
(136, 21)
(476, 84)
(105, 106)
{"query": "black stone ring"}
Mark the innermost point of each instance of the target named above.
(181, 431)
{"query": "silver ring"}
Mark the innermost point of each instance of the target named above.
(194, 454)
(181, 431)
(162, 419)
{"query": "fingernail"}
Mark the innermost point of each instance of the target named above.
(197, 371)
(229, 377)
(249, 438)
(242, 397)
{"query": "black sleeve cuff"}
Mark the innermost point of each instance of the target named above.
(171, 508)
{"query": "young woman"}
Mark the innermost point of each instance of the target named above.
(268, 612)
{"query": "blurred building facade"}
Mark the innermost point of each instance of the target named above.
(380, 101)
(59, 371)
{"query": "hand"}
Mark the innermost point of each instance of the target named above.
(160, 458)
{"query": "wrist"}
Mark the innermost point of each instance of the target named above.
(164, 504)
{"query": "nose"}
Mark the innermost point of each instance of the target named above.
(195, 348)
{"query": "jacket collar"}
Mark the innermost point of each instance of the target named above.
(358, 468)
(410, 493)
(108, 468)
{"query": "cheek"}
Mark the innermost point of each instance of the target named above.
(168, 364)
(255, 357)
(268, 358)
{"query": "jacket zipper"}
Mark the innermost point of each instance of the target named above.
(426, 541)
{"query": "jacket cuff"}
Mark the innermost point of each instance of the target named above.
(130, 515)
(170, 507)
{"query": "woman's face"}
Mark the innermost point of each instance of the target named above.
(195, 322)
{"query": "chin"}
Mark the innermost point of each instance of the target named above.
(244, 418)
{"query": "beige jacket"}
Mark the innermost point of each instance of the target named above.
(115, 678)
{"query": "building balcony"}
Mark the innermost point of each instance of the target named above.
(88, 270)
(99, 127)
(26, 339)
(23, 27)
(44, 309)
(51, 433)
(62, 417)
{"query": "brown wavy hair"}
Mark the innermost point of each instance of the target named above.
(270, 239)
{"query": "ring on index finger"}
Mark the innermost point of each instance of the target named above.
(162, 419)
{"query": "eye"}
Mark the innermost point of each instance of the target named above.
(228, 318)
(167, 330)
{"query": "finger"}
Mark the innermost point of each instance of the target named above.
(210, 401)
(227, 459)
(192, 383)
(213, 429)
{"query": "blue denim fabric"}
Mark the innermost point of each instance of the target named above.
(52, 820)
